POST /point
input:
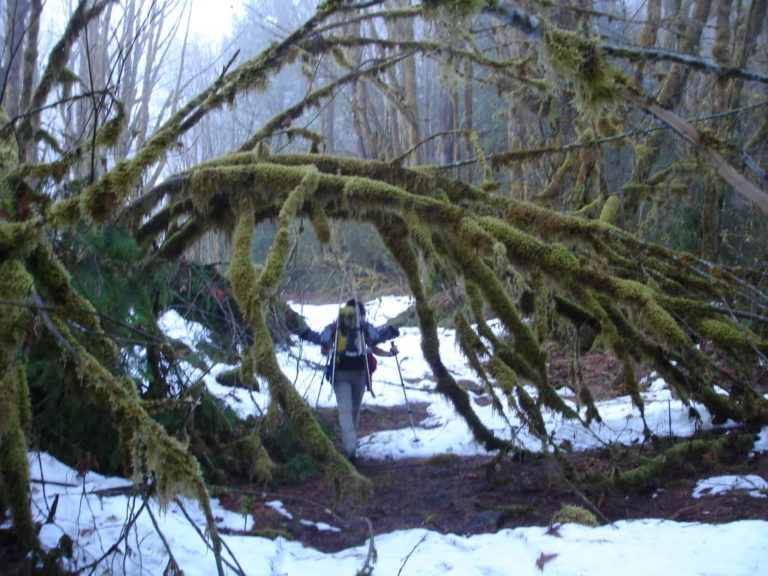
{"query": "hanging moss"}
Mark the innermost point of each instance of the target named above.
(109, 134)
(579, 58)
(587, 400)
(558, 183)
(506, 379)
(396, 237)
(657, 317)
(252, 450)
(533, 415)
(527, 349)
(14, 480)
(637, 189)
(321, 225)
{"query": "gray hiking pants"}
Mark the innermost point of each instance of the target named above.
(349, 387)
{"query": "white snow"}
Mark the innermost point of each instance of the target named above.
(93, 511)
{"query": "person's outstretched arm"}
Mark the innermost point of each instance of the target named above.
(376, 336)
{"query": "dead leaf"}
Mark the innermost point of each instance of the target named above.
(543, 559)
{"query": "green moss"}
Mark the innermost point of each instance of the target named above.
(558, 183)
(661, 321)
(558, 257)
(610, 212)
(441, 459)
(570, 514)
(579, 58)
(471, 345)
(14, 479)
(678, 188)
(637, 188)
(532, 415)
(242, 273)
(724, 332)
(109, 134)
(274, 266)
(245, 287)
(321, 226)
(251, 450)
(15, 285)
(649, 473)
(453, 9)
(505, 378)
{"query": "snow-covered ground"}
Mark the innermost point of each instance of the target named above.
(96, 519)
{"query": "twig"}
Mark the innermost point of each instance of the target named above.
(114, 548)
(53, 329)
(408, 556)
(373, 556)
(52, 511)
(236, 566)
(171, 559)
(42, 475)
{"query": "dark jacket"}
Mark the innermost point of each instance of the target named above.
(351, 361)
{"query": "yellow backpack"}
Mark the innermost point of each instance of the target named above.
(350, 345)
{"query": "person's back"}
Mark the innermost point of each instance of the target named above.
(349, 341)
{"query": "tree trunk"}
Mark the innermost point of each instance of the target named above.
(13, 61)
(29, 149)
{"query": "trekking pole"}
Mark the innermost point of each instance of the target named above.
(393, 350)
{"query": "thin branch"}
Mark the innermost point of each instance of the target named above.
(53, 329)
(423, 141)
(33, 111)
(706, 66)
(504, 158)
(59, 56)
(236, 566)
(684, 129)
(171, 559)
(533, 27)
(408, 556)
(115, 546)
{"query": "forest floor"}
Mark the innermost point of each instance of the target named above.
(471, 495)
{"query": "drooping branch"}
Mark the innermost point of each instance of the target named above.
(670, 292)
(396, 238)
(94, 357)
(251, 290)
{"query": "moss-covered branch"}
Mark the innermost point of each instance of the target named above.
(249, 287)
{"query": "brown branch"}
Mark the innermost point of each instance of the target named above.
(683, 128)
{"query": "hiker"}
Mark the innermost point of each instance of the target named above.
(351, 363)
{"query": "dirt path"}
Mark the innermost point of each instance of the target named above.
(463, 496)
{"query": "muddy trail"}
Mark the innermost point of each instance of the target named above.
(473, 495)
